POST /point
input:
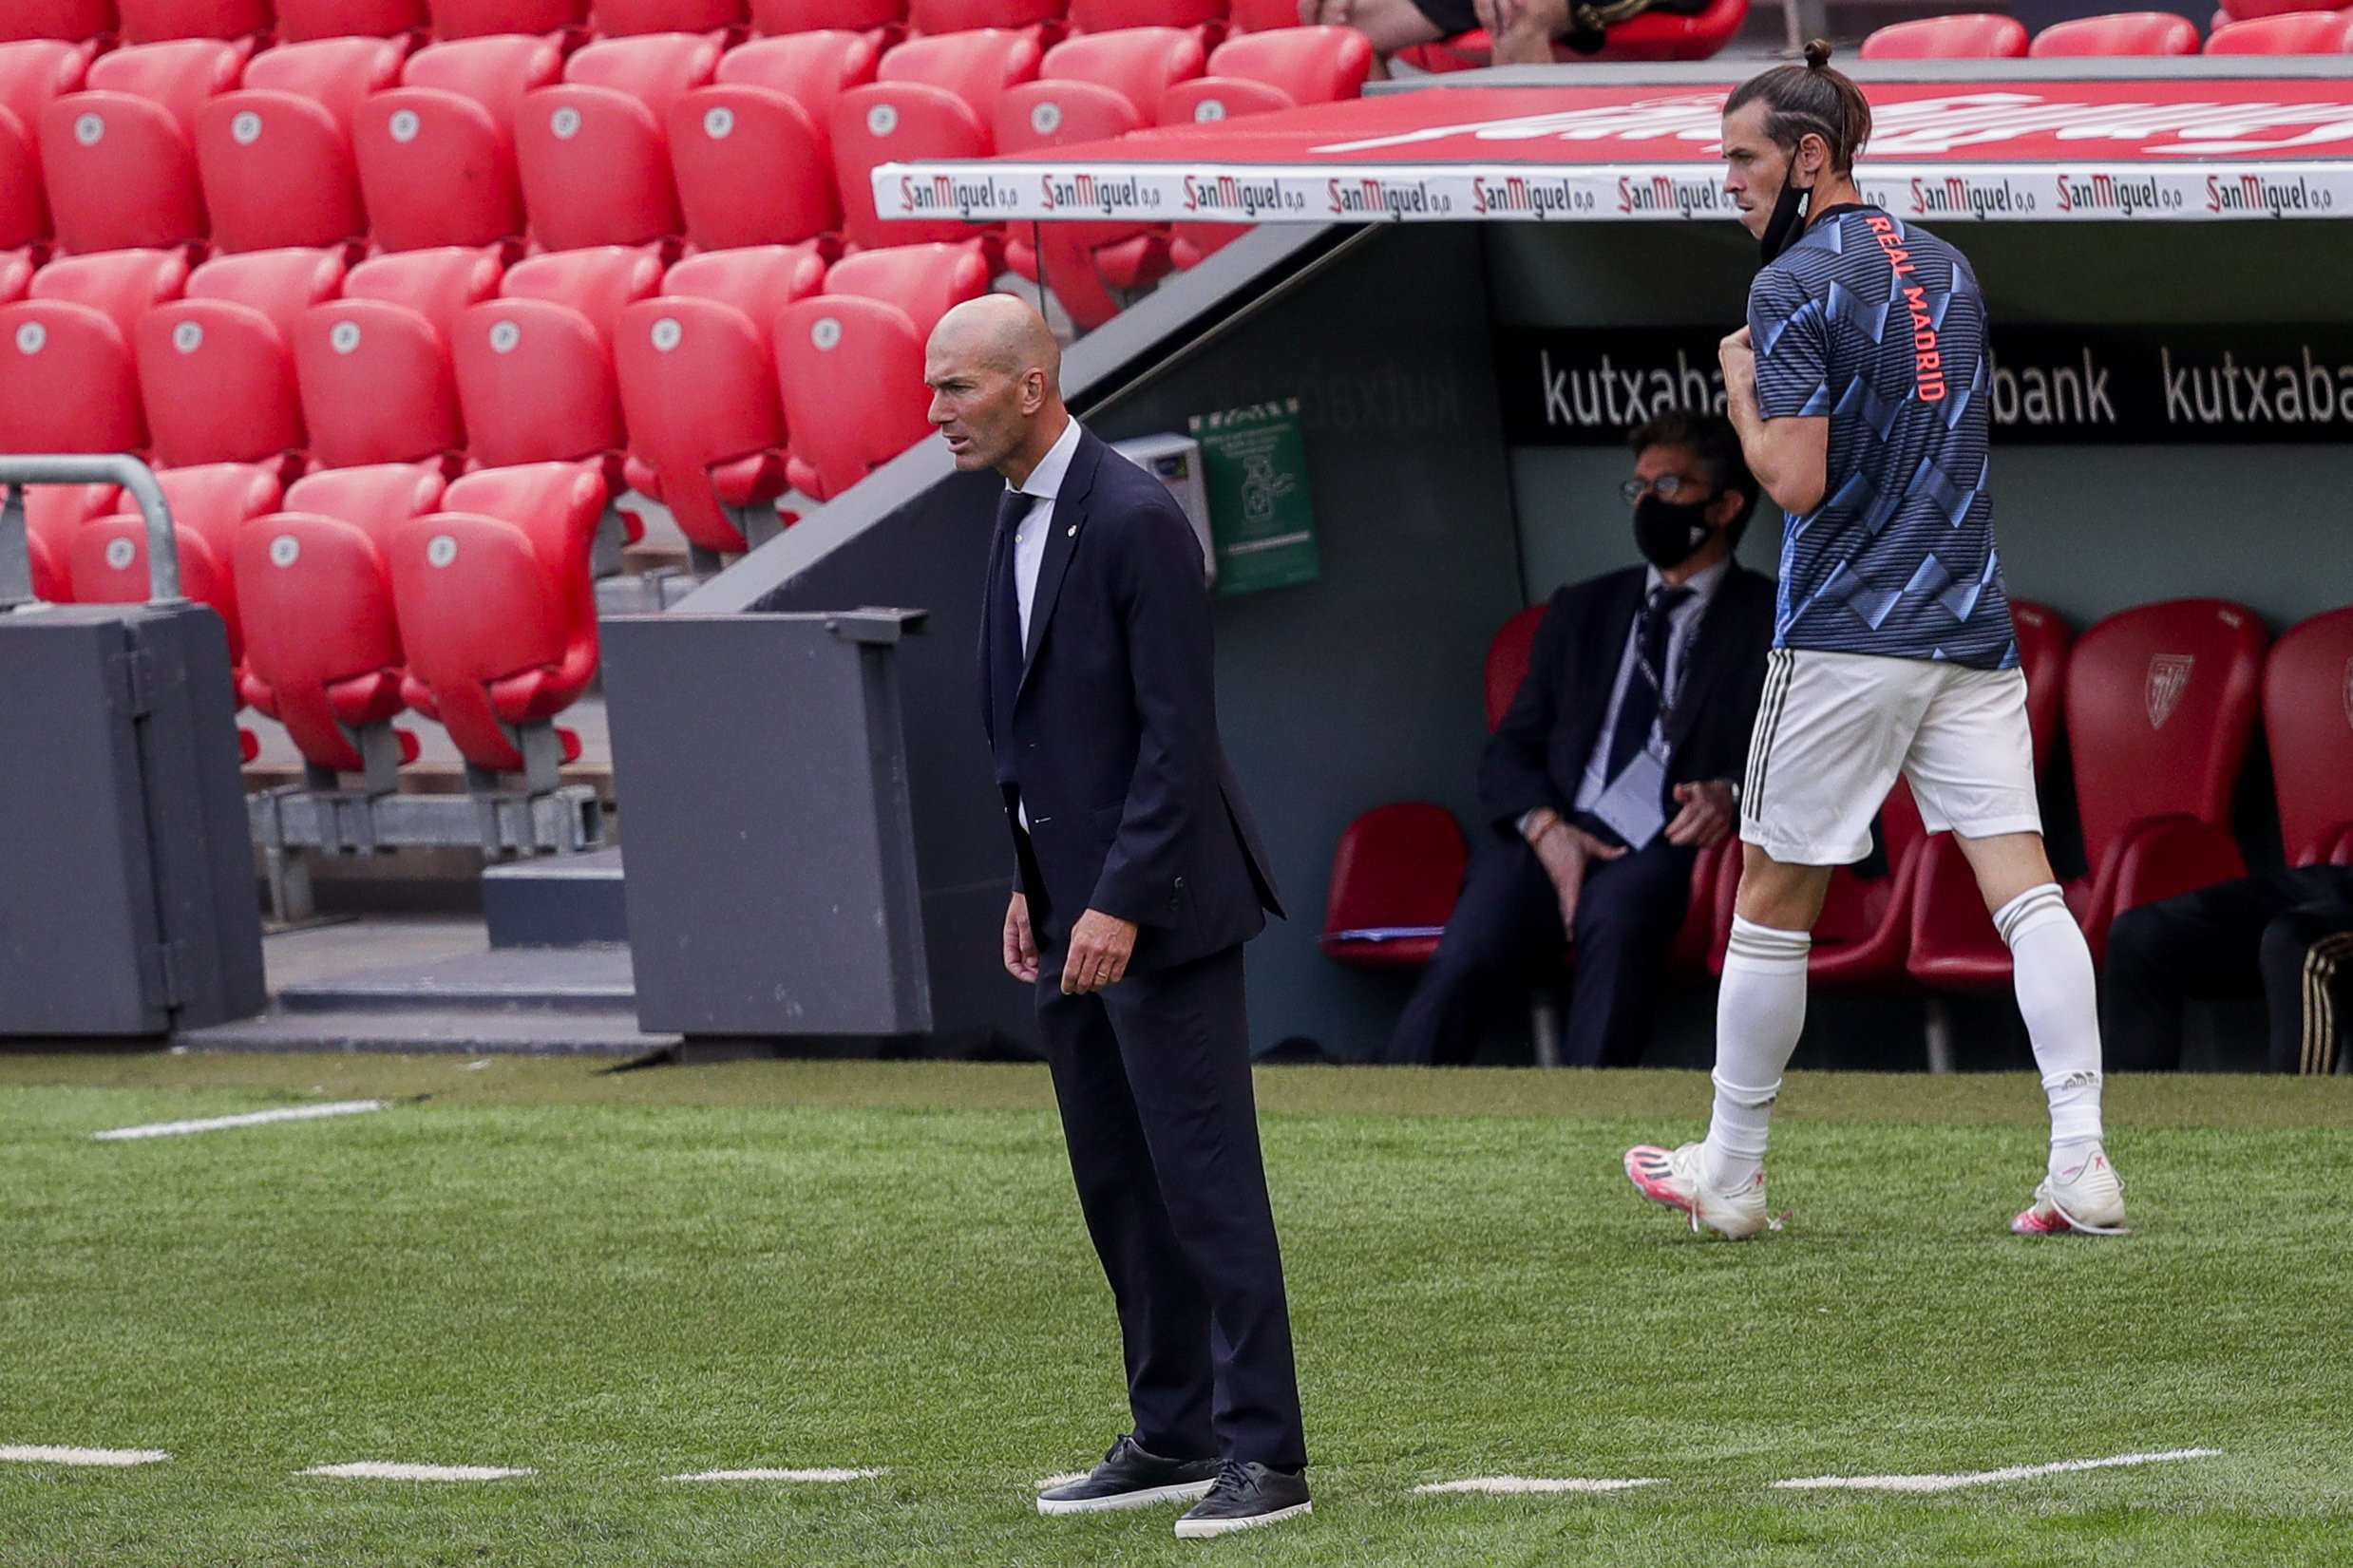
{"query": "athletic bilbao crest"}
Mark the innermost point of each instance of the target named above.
(2169, 677)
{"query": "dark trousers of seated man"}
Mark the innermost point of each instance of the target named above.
(1505, 935)
(2286, 937)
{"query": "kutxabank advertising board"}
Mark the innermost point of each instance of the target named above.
(2171, 149)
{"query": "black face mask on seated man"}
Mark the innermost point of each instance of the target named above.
(1668, 532)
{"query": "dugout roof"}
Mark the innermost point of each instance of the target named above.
(2221, 139)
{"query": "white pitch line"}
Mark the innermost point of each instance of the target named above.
(370, 1469)
(39, 1454)
(243, 1118)
(821, 1475)
(1514, 1485)
(1983, 1478)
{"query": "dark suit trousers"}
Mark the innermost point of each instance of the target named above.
(1505, 935)
(2268, 936)
(1153, 1080)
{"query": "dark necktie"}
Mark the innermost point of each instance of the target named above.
(1005, 646)
(1640, 711)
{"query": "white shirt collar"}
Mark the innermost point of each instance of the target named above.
(1702, 584)
(1045, 480)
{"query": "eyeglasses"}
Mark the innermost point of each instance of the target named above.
(1667, 487)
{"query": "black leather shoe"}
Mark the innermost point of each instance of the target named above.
(1132, 1477)
(1245, 1497)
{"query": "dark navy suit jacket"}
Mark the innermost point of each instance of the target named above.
(1108, 735)
(1538, 754)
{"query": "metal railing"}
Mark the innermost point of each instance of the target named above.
(94, 468)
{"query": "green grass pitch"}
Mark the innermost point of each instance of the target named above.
(611, 1279)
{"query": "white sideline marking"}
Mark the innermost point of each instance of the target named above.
(243, 1118)
(39, 1454)
(1510, 1486)
(1982, 1477)
(1064, 1479)
(370, 1469)
(817, 1475)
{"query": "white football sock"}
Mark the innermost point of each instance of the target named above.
(1761, 1011)
(2058, 996)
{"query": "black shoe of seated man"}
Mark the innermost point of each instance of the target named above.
(1245, 1497)
(1130, 1476)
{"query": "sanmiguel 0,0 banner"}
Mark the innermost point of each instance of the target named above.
(2051, 384)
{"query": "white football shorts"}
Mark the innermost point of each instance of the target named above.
(1835, 730)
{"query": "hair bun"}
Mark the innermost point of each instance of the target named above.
(1817, 54)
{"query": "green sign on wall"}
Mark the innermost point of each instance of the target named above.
(1255, 466)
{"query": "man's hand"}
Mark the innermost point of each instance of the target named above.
(1100, 947)
(1738, 356)
(1707, 815)
(1020, 943)
(1567, 852)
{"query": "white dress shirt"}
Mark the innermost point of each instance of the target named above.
(1030, 533)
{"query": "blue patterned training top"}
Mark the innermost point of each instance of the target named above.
(1880, 327)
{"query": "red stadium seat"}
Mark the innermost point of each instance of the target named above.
(437, 154)
(1977, 35)
(883, 21)
(208, 505)
(1091, 88)
(753, 153)
(478, 18)
(300, 20)
(2241, 11)
(2155, 32)
(595, 150)
(700, 390)
(1252, 74)
(1264, 15)
(1395, 879)
(119, 158)
(217, 367)
(496, 607)
(71, 384)
(851, 359)
(16, 270)
(378, 385)
(2290, 32)
(33, 74)
(69, 21)
(161, 20)
(2307, 716)
(1042, 19)
(314, 586)
(276, 155)
(53, 514)
(932, 98)
(1653, 35)
(1506, 661)
(625, 18)
(1205, 19)
(535, 366)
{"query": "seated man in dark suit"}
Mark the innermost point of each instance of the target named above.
(1618, 762)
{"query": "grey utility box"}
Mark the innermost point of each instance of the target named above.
(127, 903)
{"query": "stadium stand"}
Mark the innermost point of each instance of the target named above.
(2242, 11)
(1204, 19)
(883, 22)
(1042, 20)
(33, 74)
(208, 505)
(375, 369)
(1264, 15)
(16, 272)
(68, 20)
(436, 155)
(931, 98)
(752, 152)
(2145, 32)
(1253, 73)
(1966, 36)
(301, 21)
(119, 158)
(699, 392)
(2305, 695)
(1398, 869)
(2286, 32)
(53, 514)
(276, 155)
(594, 150)
(851, 359)
(73, 387)
(162, 21)
(476, 18)
(498, 614)
(625, 18)
(322, 645)
(1089, 88)
(217, 367)
(535, 366)
(1652, 35)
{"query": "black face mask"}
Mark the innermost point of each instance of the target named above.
(1788, 220)
(1669, 534)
